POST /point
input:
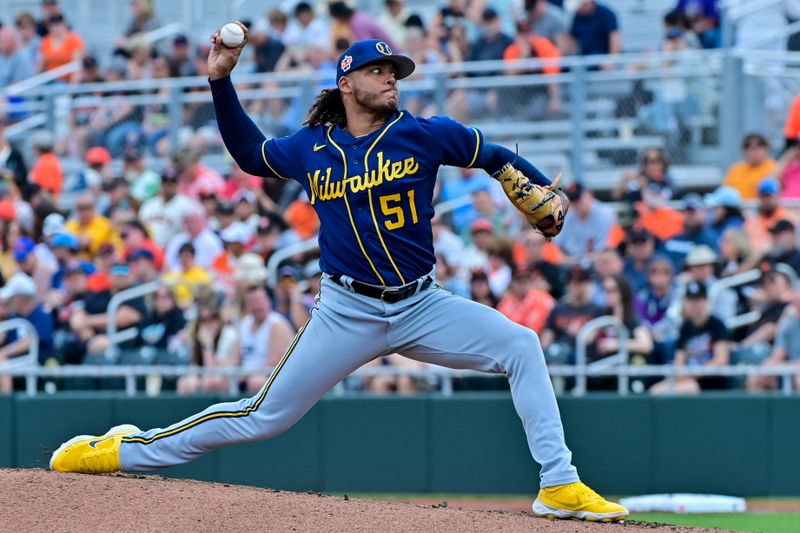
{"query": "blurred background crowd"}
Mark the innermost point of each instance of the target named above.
(117, 200)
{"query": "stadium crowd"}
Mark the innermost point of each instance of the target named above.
(206, 236)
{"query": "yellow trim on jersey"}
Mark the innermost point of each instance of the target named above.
(369, 193)
(264, 156)
(226, 414)
(349, 212)
(477, 145)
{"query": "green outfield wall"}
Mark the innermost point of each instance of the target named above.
(739, 445)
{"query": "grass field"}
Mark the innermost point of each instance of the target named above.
(761, 522)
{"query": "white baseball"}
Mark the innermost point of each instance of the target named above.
(232, 35)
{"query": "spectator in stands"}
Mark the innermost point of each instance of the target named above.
(703, 15)
(163, 214)
(49, 8)
(678, 34)
(606, 342)
(143, 265)
(769, 211)
(46, 170)
(353, 25)
(206, 243)
(492, 42)
(162, 332)
(181, 56)
(787, 171)
(652, 183)
(70, 350)
(264, 337)
(538, 100)
(476, 254)
(12, 163)
(402, 384)
(524, 303)
(189, 276)
(30, 264)
(703, 341)
(479, 290)
(695, 231)
(641, 246)
(393, 20)
(15, 65)
(65, 248)
(786, 349)
(60, 46)
(771, 301)
(19, 294)
(542, 258)
(116, 203)
(306, 29)
(145, 183)
(91, 228)
(448, 277)
(144, 18)
(568, 316)
(549, 21)
(726, 210)
(607, 263)
(784, 248)
(97, 172)
(267, 49)
(287, 288)
(501, 258)
(215, 344)
(267, 237)
(745, 175)
(700, 266)
(194, 176)
(586, 227)
(594, 29)
(791, 128)
(468, 181)
(651, 305)
(135, 237)
(30, 42)
(89, 324)
(736, 252)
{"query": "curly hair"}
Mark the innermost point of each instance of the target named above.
(328, 109)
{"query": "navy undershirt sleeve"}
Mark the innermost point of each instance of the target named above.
(241, 136)
(492, 157)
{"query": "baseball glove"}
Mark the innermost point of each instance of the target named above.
(544, 207)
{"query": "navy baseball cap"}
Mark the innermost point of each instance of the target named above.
(363, 53)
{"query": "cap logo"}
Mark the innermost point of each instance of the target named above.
(383, 48)
(346, 62)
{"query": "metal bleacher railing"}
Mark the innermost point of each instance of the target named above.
(689, 103)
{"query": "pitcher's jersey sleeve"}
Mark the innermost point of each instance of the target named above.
(279, 156)
(451, 142)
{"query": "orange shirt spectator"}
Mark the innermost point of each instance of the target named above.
(537, 47)
(60, 46)
(791, 129)
(47, 173)
(661, 221)
(302, 218)
(745, 175)
(525, 304)
(768, 213)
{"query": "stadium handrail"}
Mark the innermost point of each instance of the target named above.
(130, 373)
(114, 336)
(582, 342)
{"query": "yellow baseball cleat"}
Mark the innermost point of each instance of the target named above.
(87, 454)
(576, 500)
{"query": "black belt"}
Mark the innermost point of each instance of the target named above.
(386, 294)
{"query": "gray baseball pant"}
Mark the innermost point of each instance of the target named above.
(347, 330)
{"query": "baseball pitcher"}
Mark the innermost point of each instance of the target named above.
(369, 169)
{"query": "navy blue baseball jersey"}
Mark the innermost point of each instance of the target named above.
(374, 193)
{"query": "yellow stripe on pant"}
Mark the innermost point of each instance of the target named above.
(226, 414)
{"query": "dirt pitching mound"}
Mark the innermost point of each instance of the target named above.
(40, 500)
